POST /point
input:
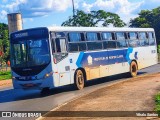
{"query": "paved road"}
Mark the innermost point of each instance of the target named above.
(19, 100)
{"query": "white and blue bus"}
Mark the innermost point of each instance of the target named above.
(49, 57)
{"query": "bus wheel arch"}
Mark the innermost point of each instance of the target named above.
(80, 78)
(133, 68)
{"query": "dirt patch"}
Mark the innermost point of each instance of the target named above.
(5, 83)
(136, 94)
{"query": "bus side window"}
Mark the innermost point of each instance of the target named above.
(92, 41)
(133, 35)
(151, 38)
(61, 45)
(92, 36)
(143, 39)
(121, 39)
(60, 34)
(109, 41)
(75, 42)
(133, 39)
(53, 46)
(74, 37)
(58, 48)
(120, 36)
(107, 36)
(52, 42)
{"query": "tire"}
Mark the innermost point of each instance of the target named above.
(79, 79)
(133, 69)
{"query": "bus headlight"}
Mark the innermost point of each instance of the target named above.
(48, 74)
(13, 78)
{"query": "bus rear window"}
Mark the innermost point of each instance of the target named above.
(151, 38)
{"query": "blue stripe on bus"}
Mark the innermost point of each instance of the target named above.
(129, 51)
(78, 63)
(94, 59)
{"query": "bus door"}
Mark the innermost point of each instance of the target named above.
(61, 61)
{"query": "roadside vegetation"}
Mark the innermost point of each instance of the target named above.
(157, 100)
(4, 44)
(5, 75)
(158, 49)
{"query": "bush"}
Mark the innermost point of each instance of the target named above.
(4, 75)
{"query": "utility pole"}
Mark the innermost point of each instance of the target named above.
(73, 8)
(73, 13)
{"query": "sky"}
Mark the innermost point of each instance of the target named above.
(44, 13)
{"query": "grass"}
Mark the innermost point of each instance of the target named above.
(4, 75)
(157, 100)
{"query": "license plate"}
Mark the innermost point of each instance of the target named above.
(29, 85)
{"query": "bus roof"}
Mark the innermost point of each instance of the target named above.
(97, 29)
(92, 29)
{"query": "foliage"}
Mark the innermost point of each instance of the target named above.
(93, 19)
(4, 42)
(157, 100)
(5, 75)
(148, 19)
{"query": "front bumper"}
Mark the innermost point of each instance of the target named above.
(33, 84)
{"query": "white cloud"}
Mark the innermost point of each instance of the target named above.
(39, 8)
(87, 7)
(36, 8)
(61, 5)
(14, 6)
(28, 20)
(3, 14)
(149, 4)
(123, 8)
(4, 1)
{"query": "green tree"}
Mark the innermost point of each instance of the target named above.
(4, 42)
(93, 19)
(148, 19)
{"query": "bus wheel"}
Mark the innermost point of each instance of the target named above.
(45, 90)
(133, 69)
(79, 79)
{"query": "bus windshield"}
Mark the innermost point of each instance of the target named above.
(29, 53)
